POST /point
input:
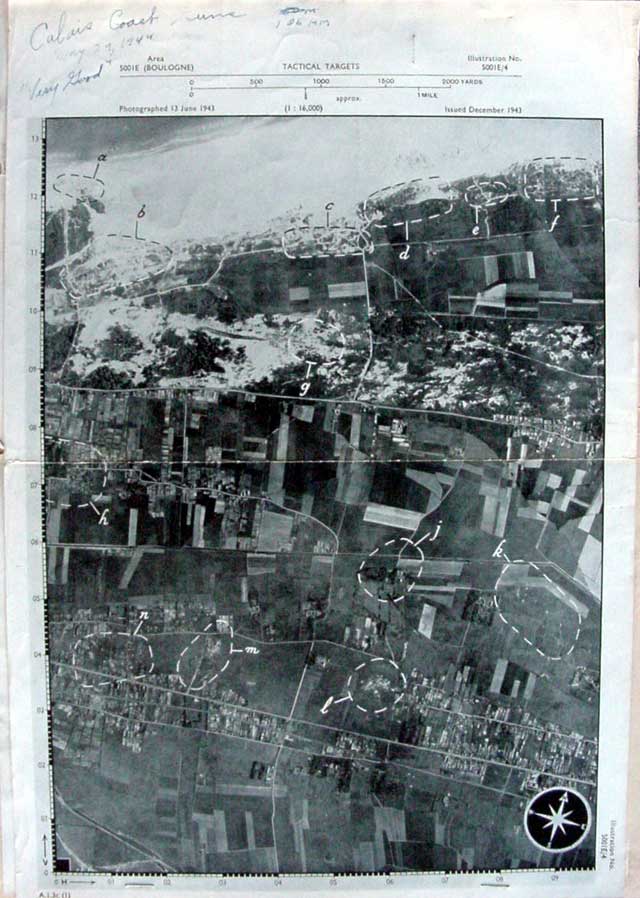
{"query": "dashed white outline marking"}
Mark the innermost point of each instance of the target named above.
(498, 200)
(408, 221)
(103, 461)
(384, 708)
(559, 199)
(83, 294)
(389, 542)
(120, 679)
(521, 635)
(357, 231)
(141, 636)
(215, 676)
(84, 177)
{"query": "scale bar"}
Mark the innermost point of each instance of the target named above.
(328, 87)
(317, 74)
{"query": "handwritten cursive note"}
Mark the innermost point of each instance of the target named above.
(211, 16)
(57, 33)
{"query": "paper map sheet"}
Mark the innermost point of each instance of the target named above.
(320, 439)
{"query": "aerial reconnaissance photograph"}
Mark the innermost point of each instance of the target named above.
(324, 488)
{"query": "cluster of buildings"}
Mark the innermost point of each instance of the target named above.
(235, 721)
(224, 464)
(471, 733)
(84, 718)
(552, 434)
(94, 423)
(455, 714)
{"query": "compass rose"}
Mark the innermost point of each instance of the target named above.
(557, 819)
